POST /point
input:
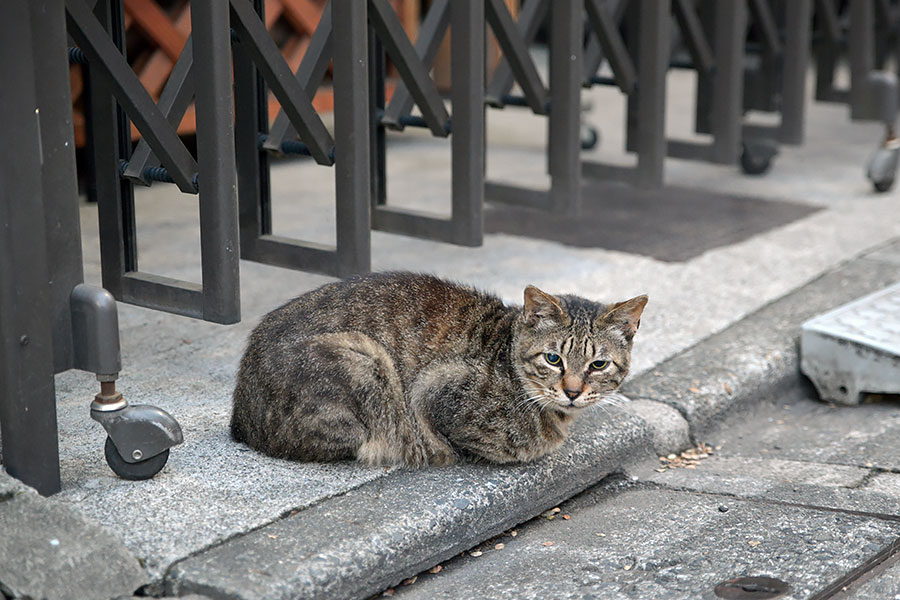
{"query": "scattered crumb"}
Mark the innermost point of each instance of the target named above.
(410, 581)
(435, 569)
(727, 388)
(548, 543)
(514, 533)
(388, 592)
(566, 517)
(476, 553)
(274, 537)
(600, 534)
(500, 546)
(686, 460)
(627, 567)
(754, 543)
(696, 390)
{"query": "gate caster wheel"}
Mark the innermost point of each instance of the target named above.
(756, 156)
(882, 167)
(135, 471)
(589, 137)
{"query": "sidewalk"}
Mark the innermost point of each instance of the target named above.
(225, 522)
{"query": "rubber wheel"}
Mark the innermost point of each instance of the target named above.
(144, 469)
(754, 165)
(883, 186)
(589, 137)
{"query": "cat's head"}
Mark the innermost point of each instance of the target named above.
(571, 353)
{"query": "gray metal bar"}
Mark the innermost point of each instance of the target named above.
(173, 102)
(564, 147)
(310, 74)
(293, 98)
(109, 141)
(467, 97)
(431, 33)
(106, 61)
(422, 88)
(765, 21)
(613, 47)
(515, 51)
(648, 118)
(351, 130)
(251, 120)
(730, 26)
(693, 35)
(163, 293)
(59, 179)
(798, 22)
(530, 19)
(215, 154)
(861, 53)
(27, 404)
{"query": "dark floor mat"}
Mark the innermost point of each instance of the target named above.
(670, 224)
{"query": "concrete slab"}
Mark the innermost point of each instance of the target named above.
(641, 543)
(389, 529)
(50, 550)
(855, 349)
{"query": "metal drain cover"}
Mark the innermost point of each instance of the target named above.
(751, 588)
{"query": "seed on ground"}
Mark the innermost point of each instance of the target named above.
(435, 569)
(499, 546)
(476, 553)
(548, 543)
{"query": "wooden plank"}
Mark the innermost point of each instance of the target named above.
(155, 24)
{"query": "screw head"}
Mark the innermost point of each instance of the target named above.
(137, 455)
(24, 340)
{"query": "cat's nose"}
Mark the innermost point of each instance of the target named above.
(572, 394)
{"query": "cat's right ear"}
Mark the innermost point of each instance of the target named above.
(542, 308)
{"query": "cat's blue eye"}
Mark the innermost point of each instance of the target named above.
(553, 359)
(599, 365)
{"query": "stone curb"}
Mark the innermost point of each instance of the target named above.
(375, 536)
(50, 551)
(392, 528)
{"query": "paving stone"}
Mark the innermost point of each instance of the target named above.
(654, 543)
(50, 551)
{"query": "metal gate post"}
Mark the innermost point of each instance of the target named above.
(861, 53)
(351, 135)
(467, 99)
(649, 114)
(730, 26)
(566, 72)
(27, 402)
(797, 24)
(211, 33)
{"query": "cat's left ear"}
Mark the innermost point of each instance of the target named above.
(626, 315)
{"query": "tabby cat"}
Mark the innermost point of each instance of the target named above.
(401, 368)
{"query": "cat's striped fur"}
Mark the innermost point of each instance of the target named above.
(410, 369)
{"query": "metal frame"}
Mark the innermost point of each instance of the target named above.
(866, 34)
(115, 95)
(566, 72)
(781, 84)
(386, 37)
(27, 401)
(259, 65)
(642, 78)
(719, 106)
